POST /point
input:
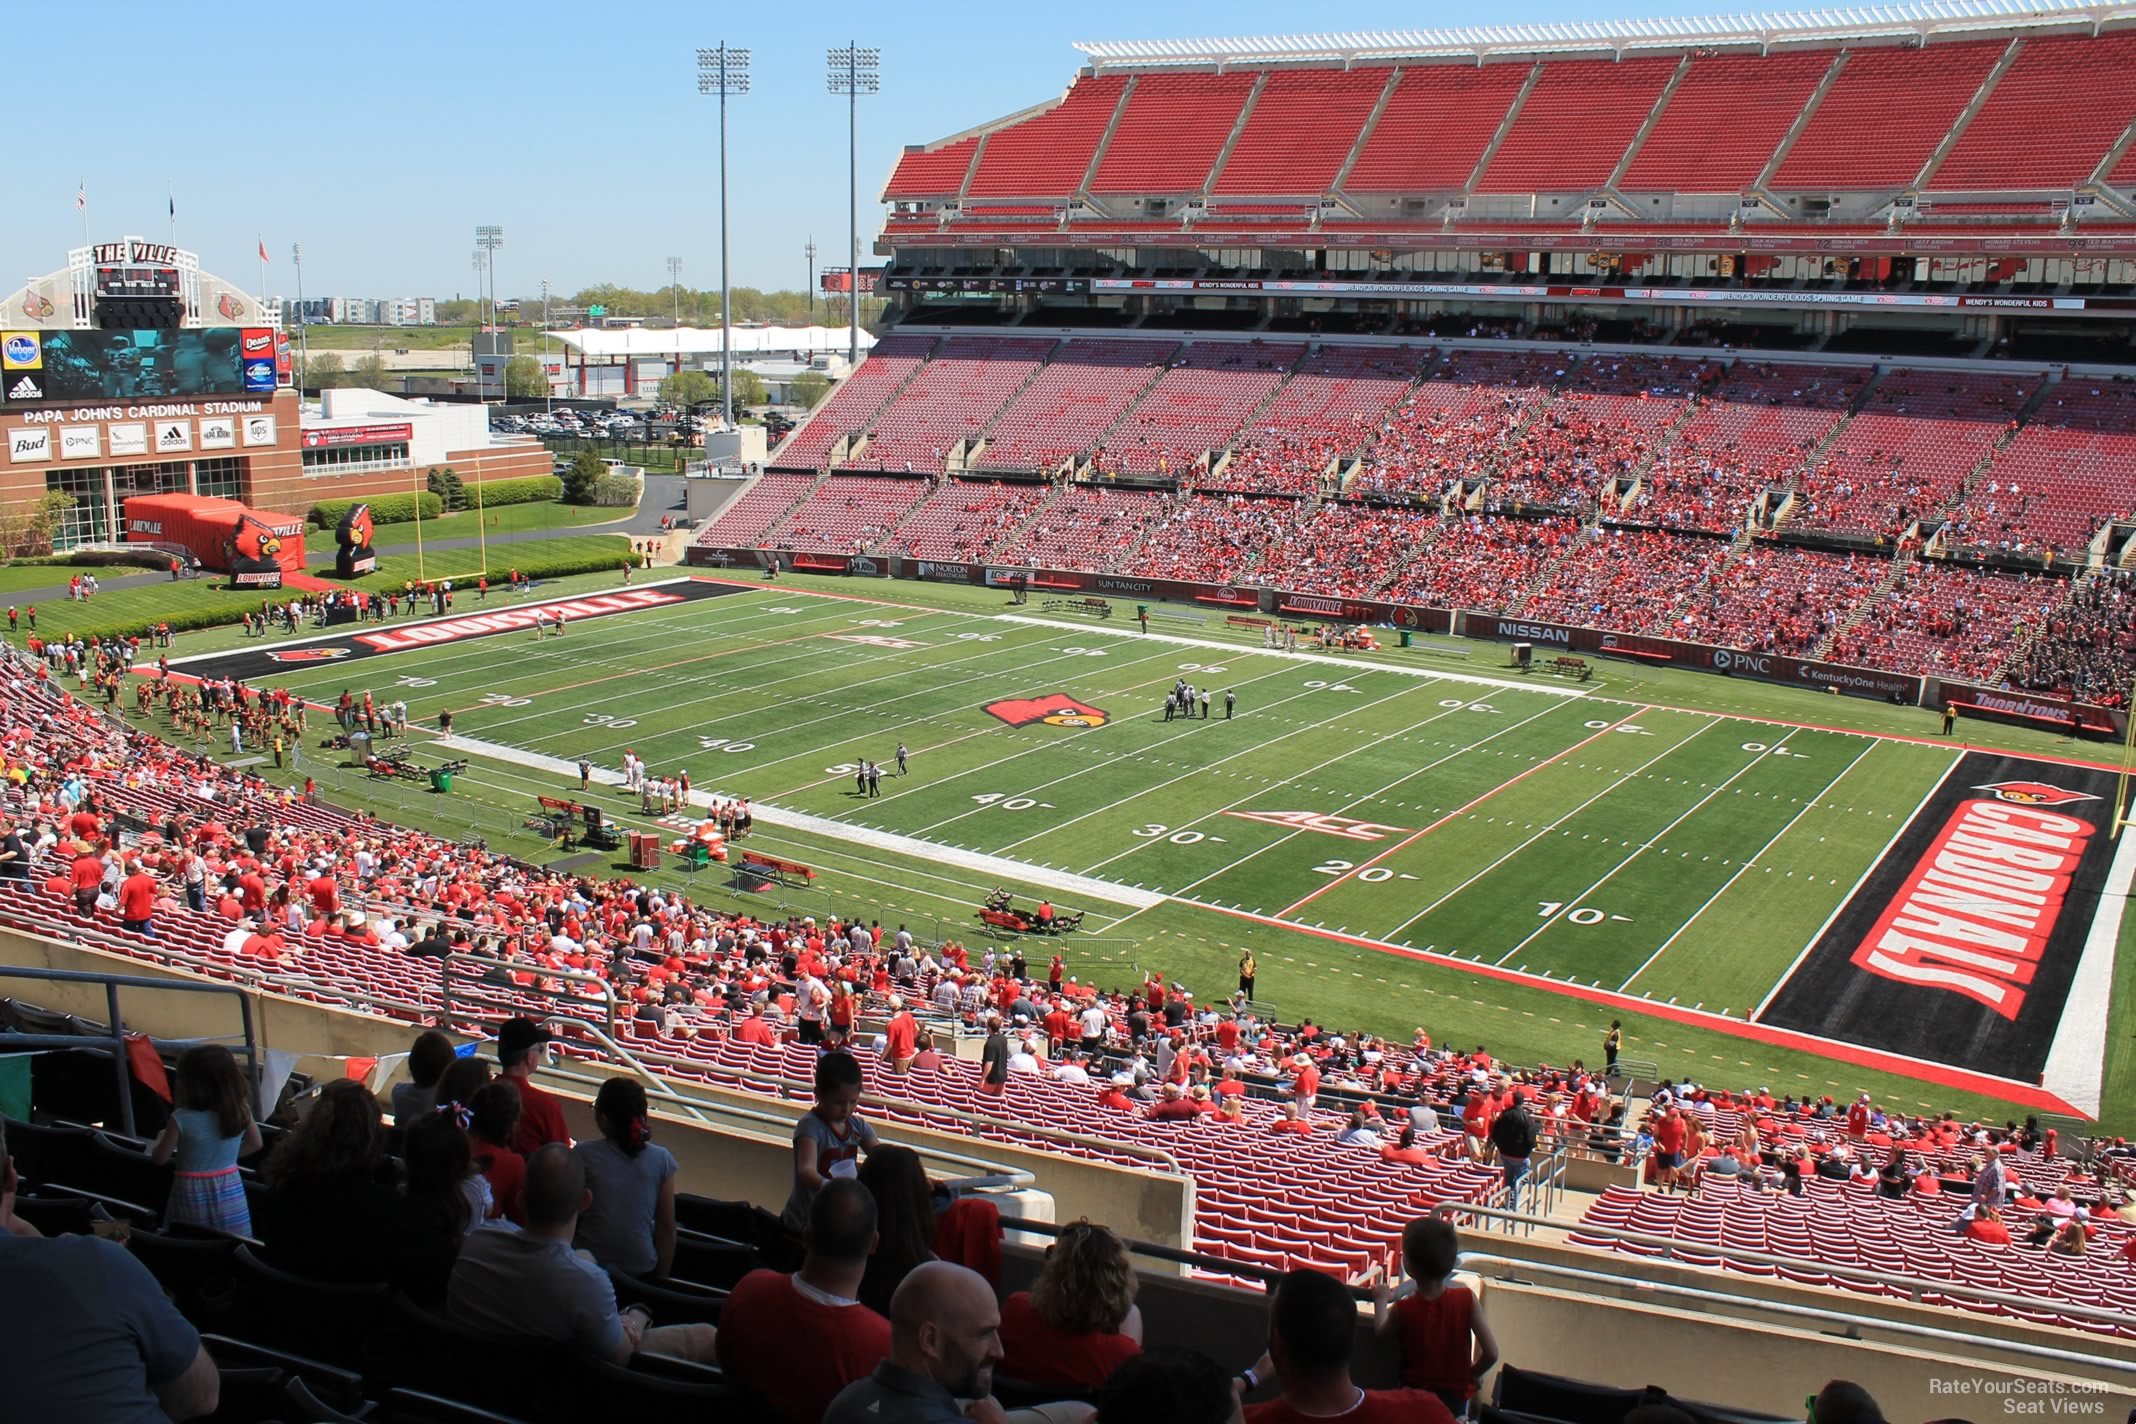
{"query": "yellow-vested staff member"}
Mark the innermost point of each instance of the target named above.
(1247, 969)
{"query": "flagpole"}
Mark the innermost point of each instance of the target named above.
(170, 194)
(263, 274)
(81, 200)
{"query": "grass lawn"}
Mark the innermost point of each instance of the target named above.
(19, 578)
(364, 339)
(500, 519)
(1410, 838)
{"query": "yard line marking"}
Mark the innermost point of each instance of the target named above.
(1053, 745)
(1408, 776)
(1867, 871)
(1416, 836)
(1246, 751)
(994, 865)
(1321, 659)
(1549, 826)
(1744, 868)
(2076, 1060)
(1693, 809)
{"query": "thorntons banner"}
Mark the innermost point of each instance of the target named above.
(2002, 703)
(1960, 946)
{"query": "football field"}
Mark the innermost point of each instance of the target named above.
(1413, 804)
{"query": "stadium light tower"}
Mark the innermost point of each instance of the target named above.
(724, 70)
(489, 237)
(810, 252)
(481, 261)
(675, 286)
(548, 391)
(296, 257)
(853, 72)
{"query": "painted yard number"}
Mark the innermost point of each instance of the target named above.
(1153, 831)
(1371, 874)
(1207, 667)
(1009, 803)
(505, 699)
(1080, 652)
(1318, 686)
(721, 744)
(1778, 751)
(602, 719)
(406, 681)
(1584, 915)
(1453, 702)
(1632, 728)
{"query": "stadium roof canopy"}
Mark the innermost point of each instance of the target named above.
(1910, 21)
(692, 341)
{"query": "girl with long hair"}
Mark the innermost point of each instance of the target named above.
(210, 1129)
(904, 1222)
(1079, 1320)
(631, 1222)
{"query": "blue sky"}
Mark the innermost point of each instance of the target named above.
(368, 132)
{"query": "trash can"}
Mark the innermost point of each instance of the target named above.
(441, 780)
(1408, 635)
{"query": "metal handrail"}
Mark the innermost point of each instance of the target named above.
(1823, 1316)
(445, 964)
(115, 1040)
(1672, 1249)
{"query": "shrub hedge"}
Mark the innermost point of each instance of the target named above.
(385, 509)
(531, 489)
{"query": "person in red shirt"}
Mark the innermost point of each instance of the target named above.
(1305, 1085)
(1405, 1150)
(324, 894)
(137, 899)
(1079, 1320)
(1858, 1118)
(1447, 1346)
(1227, 1035)
(86, 876)
(929, 1057)
(900, 1037)
(1175, 1107)
(754, 1030)
(1292, 1121)
(1988, 1226)
(1058, 1026)
(1312, 1327)
(541, 1117)
(797, 1340)
(1669, 1138)
(1229, 1085)
(1113, 1095)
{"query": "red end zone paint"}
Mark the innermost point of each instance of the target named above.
(1958, 1079)
(505, 620)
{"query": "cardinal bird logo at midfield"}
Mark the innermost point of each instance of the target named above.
(308, 655)
(2035, 793)
(1055, 709)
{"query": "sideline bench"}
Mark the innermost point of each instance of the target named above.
(1575, 668)
(1241, 620)
(1646, 654)
(1088, 607)
(768, 868)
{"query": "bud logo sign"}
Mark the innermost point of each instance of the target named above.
(1055, 709)
(1961, 944)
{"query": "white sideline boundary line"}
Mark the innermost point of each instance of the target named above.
(999, 867)
(1322, 659)
(2076, 1062)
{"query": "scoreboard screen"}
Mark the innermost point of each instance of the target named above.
(137, 282)
(48, 367)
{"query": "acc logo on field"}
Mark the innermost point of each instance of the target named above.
(1055, 709)
(2035, 793)
(309, 655)
(21, 351)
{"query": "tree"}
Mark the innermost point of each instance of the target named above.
(689, 388)
(457, 311)
(324, 373)
(808, 389)
(582, 478)
(27, 526)
(523, 379)
(444, 482)
(748, 388)
(369, 372)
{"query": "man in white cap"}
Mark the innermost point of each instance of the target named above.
(900, 1036)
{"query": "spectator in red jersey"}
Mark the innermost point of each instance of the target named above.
(797, 1340)
(1987, 1225)
(1079, 1320)
(493, 1121)
(87, 878)
(1113, 1094)
(541, 1117)
(900, 1036)
(1174, 1107)
(754, 1029)
(1447, 1346)
(137, 899)
(1312, 1327)
(929, 1057)
(1305, 1083)
(1405, 1149)
(1292, 1121)
(1670, 1135)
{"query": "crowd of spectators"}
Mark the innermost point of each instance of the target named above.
(1949, 620)
(2088, 650)
(1630, 579)
(1774, 598)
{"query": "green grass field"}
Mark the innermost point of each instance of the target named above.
(1353, 816)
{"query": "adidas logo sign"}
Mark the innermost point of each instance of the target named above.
(25, 389)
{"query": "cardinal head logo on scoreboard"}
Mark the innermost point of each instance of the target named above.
(1055, 709)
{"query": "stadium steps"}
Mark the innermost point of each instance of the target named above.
(1009, 537)
(1493, 469)
(1223, 456)
(1133, 548)
(1238, 127)
(1545, 574)
(962, 460)
(1364, 136)
(1900, 563)
(862, 431)
(1965, 115)
(1762, 184)
(778, 522)
(2114, 156)
(971, 170)
(1505, 126)
(1112, 126)
(2028, 637)
(1156, 374)
(1631, 150)
(1400, 568)
(1816, 453)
